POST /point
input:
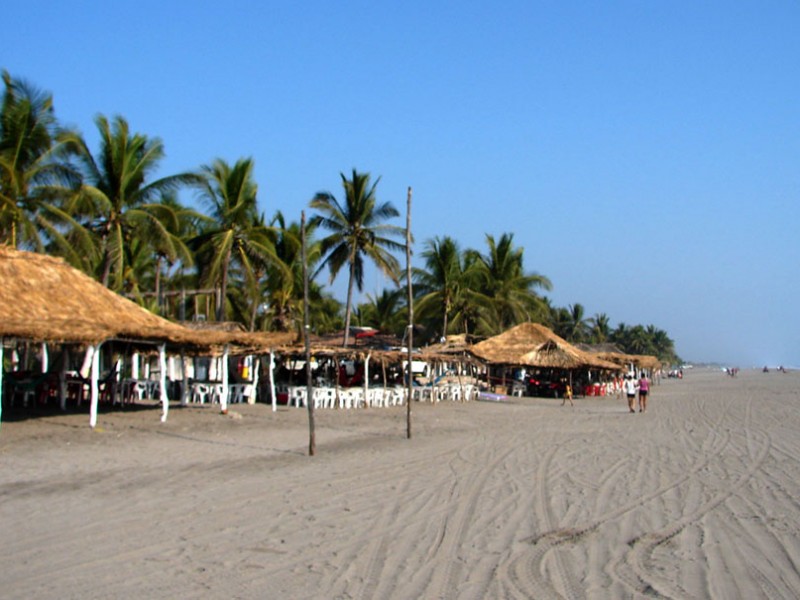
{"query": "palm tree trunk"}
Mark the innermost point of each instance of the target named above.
(106, 268)
(223, 288)
(253, 317)
(349, 307)
(159, 298)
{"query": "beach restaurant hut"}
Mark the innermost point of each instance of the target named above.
(44, 300)
(630, 361)
(534, 345)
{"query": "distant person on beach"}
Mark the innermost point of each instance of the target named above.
(644, 390)
(629, 387)
(567, 395)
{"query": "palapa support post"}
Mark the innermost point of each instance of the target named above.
(86, 368)
(45, 358)
(94, 375)
(256, 368)
(383, 372)
(367, 403)
(272, 380)
(162, 381)
(336, 381)
(223, 396)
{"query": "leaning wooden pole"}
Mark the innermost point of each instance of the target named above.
(410, 315)
(312, 443)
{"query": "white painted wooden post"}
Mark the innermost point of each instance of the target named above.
(94, 390)
(214, 370)
(45, 358)
(135, 366)
(272, 380)
(223, 397)
(367, 403)
(119, 366)
(86, 367)
(256, 367)
(162, 381)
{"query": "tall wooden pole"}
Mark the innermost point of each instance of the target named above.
(410, 315)
(312, 443)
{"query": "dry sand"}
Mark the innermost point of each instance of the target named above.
(697, 498)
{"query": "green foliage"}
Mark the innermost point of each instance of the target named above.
(118, 203)
(107, 214)
(236, 236)
(357, 232)
(35, 171)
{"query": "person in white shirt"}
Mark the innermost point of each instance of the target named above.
(629, 387)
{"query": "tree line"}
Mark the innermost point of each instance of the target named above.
(107, 214)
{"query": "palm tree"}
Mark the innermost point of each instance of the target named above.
(181, 223)
(237, 236)
(35, 172)
(639, 341)
(357, 232)
(505, 289)
(442, 284)
(385, 312)
(599, 328)
(576, 327)
(119, 204)
(663, 347)
(559, 321)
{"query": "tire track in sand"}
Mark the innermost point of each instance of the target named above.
(644, 546)
(525, 569)
(454, 529)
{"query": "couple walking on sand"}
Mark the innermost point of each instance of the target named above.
(631, 386)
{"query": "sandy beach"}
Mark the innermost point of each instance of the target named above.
(696, 498)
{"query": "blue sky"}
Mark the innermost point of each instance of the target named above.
(644, 154)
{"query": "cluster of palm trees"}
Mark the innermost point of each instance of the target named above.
(108, 216)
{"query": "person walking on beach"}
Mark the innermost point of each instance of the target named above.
(644, 390)
(629, 387)
(567, 395)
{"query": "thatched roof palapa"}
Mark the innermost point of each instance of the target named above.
(534, 345)
(43, 299)
(643, 361)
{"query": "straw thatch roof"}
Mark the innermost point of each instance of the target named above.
(643, 361)
(213, 325)
(239, 340)
(611, 353)
(453, 344)
(43, 299)
(534, 345)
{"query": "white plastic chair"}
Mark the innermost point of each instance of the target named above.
(200, 392)
(217, 389)
(299, 396)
